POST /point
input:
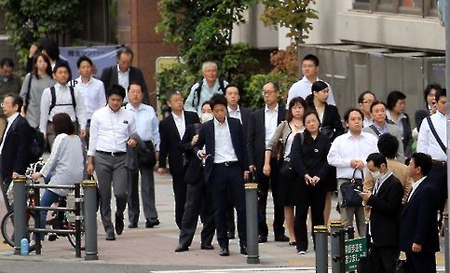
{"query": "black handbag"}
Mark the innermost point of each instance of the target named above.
(146, 155)
(350, 197)
(286, 170)
(400, 266)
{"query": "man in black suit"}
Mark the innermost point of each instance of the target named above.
(418, 227)
(386, 203)
(171, 130)
(225, 166)
(15, 143)
(123, 74)
(261, 127)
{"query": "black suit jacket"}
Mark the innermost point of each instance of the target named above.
(385, 214)
(110, 76)
(170, 140)
(206, 137)
(193, 165)
(419, 220)
(245, 116)
(16, 148)
(256, 137)
(331, 124)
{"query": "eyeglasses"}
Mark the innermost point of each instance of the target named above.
(266, 93)
(367, 101)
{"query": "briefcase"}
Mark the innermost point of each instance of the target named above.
(350, 198)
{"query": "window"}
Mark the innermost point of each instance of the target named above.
(421, 8)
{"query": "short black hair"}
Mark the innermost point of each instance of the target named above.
(377, 159)
(61, 64)
(51, 48)
(292, 103)
(206, 102)
(117, 90)
(218, 99)
(388, 145)
(311, 57)
(134, 83)
(318, 86)
(428, 89)
(276, 86)
(440, 93)
(361, 96)
(375, 103)
(171, 94)
(310, 112)
(84, 59)
(17, 100)
(393, 97)
(63, 124)
(347, 113)
(232, 85)
(7, 61)
(423, 161)
(124, 49)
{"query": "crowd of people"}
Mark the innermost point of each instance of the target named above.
(301, 153)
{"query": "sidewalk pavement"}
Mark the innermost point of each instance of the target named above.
(155, 246)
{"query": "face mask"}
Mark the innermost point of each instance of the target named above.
(206, 117)
(376, 174)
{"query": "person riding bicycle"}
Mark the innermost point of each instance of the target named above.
(65, 164)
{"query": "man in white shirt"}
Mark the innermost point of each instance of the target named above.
(61, 98)
(310, 71)
(111, 130)
(429, 144)
(348, 153)
(147, 129)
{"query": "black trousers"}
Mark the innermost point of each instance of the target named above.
(223, 177)
(438, 177)
(230, 214)
(198, 203)
(421, 262)
(383, 258)
(273, 183)
(179, 191)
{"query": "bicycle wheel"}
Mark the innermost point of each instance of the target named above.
(7, 227)
(72, 237)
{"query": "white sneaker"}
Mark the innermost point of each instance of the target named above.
(301, 252)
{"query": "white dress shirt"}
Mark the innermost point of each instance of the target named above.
(123, 80)
(427, 143)
(414, 187)
(146, 123)
(347, 147)
(235, 113)
(110, 130)
(180, 123)
(10, 121)
(224, 150)
(271, 122)
(64, 97)
(367, 122)
(93, 94)
(302, 88)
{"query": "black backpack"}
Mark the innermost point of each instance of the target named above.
(74, 102)
(37, 145)
(198, 90)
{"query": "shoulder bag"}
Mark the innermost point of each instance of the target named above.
(350, 197)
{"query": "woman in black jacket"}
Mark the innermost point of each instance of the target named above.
(309, 159)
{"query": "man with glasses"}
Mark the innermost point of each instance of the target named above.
(365, 100)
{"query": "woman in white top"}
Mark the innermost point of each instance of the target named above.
(65, 164)
(285, 133)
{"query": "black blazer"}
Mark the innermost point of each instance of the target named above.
(331, 124)
(385, 213)
(419, 220)
(110, 76)
(16, 148)
(245, 116)
(206, 137)
(193, 165)
(256, 137)
(170, 140)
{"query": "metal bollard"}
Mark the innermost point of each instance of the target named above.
(251, 201)
(77, 221)
(20, 208)
(321, 235)
(337, 262)
(351, 232)
(446, 240)
(90, 219)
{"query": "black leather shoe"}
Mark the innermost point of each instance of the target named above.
(244, 250)
(110, 237)
(224, 251)
(149, 223)
(52, 237)
(262, 239)
(119, 224)
(231, 235)
(281, 238)
(206, 247)
(133, 225)
(181, 248)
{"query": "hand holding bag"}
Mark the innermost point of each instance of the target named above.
(350, 197)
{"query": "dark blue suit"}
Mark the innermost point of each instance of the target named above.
(419, 225)
(222, 176)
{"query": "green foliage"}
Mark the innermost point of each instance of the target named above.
(293, 14)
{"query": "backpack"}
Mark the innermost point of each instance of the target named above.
(37, 145)
(197, 92)
(74, 102)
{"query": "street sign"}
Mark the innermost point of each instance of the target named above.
(354, 249)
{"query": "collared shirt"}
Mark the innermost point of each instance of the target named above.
(302, 88)
(367, 122)
(146, 123)
(205, 94)
(415, 186)
(110, 130)
(381, 129)
(347, 147)
(64, 104)
(224, 150)
(427, 143)
(123, 77)
(380, 182)
(235, 113)
(10, 121)
(180, 124)
(397, 122)
(93, 94)
(271, 122)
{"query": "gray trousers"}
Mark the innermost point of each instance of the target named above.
(147, 194)
(111, 171)
(348, 212)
